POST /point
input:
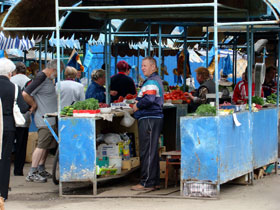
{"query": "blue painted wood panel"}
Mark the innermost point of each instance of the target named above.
(199, 149)
(235, 149)
(77, 150)
(265, 137)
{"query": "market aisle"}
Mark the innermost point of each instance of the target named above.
(264, 195)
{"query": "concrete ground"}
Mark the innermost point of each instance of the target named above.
(263, 195)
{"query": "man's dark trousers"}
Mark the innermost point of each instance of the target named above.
(20, 153)
(149, 131)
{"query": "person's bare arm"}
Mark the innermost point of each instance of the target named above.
(30, 100)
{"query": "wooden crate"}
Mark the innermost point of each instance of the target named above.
(31, 145)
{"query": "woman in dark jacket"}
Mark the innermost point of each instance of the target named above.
(7, 95)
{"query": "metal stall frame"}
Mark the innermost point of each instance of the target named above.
(215, 6)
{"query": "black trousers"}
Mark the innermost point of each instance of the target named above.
(5, 162)
(149, 131)
(20, 153)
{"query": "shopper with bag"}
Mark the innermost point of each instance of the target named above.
(7, 120)
(22, 131)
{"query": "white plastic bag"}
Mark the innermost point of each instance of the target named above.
(19, 119)
(112, 138)
(127, 120)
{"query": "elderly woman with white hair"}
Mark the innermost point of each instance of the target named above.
(7, 122)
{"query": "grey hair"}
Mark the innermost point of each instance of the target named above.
(52, 64)
(6, 66)
(96, 74)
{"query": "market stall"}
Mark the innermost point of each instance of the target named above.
(209, 159)
(218, 149)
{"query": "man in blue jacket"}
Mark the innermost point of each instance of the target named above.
(148, 111)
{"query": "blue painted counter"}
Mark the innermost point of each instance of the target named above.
(77, 150)
(215, 150)
(265, 137)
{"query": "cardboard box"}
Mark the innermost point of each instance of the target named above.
(135, 161)
(131, 163)
(31, 145)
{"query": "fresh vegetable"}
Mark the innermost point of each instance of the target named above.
(67, 110)
(103, 105)
(206, 110)
(88, 104)
(272, 99)
(258, 100)
(176, 95)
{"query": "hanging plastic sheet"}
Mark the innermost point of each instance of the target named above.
(228, 66)
(87, 60)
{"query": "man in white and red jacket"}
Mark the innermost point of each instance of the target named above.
(148, 111)
(240, 93)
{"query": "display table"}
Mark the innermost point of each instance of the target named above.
(215, 150)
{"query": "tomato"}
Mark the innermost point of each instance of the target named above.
(135, 96)
(188, 100)
(129, 96)
(120, 99)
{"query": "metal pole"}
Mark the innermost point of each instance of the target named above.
(40, 56)
(46, 52)
(140, 7)
(116, 58)
(207, 46)
(159, 52)
(138, 66)
(108, 73)
(278, 71)
(149, 40)
(58, 62)
(106, 64)
(264, 51)
(216, 54)
(248, 66)
(235, 61)
(252, 54)
(185, 61)
(24, 57)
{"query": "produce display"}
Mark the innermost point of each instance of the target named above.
(258, 100)
(206, 110)
(127, 97)
(67, 110)
(272, 99)
(88, 104)
(177, 95)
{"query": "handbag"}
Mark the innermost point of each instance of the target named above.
(19, 119)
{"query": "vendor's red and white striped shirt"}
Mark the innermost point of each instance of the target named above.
(241, 91)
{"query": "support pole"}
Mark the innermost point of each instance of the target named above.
(248, 65)
(46, 52)
(207, 47)
(24, 57)
(216, 53)
(116, 58)
(252, 55)
(278, 71)
(40, 56)
(138, 66)
(235, 61)
(159, 52)
(149, 40)
(185, 61)
(58, 62)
